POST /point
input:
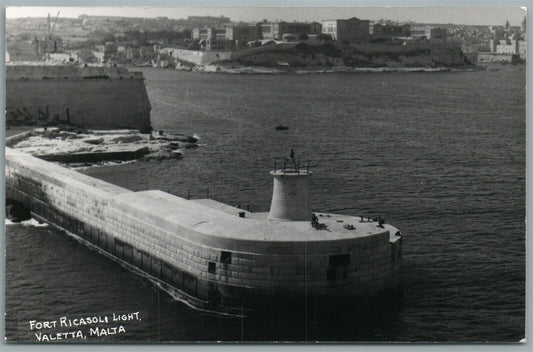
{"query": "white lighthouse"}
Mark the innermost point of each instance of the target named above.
(290, 196)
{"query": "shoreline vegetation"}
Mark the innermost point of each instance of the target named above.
(304, 58)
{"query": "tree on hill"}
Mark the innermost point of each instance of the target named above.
(108, 37)
(324, 37)
(88, 56)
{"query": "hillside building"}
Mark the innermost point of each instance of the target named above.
(509, 40)
(522, 49)
(510, 46)
(420, 32)
(379, 30)
(430, 33)
(438, 34)
(226, 36)
(203, 33)
(294, 30)
(350, 30)
(484, 58)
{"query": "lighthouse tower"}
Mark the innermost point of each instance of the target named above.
(290, 197)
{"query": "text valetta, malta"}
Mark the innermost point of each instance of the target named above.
(96, 331)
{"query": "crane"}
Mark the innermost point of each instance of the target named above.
(50, 33)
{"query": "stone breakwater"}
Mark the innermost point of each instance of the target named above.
(218, 257)
(88, 97)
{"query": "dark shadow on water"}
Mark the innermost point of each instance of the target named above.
(378, 319)
(359, 325)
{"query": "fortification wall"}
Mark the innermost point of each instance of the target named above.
(262, 49)
(200, 57)
(211, 268)
(14, 72)
(98, 99)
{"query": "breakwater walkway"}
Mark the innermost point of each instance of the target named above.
(218, 256)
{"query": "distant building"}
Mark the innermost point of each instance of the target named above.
(429, 32)
(438, 34)
(129, 53)
(99, 56)
(504, 46)
(514, 29)
(226, 36)
(522, 49)
(244, 33)
(350, 30)
(420, 32)
(509, 40)
(510, 46)
(390, 31)
(494, 58)
(498, 33)
(276, 30)
(203, 33)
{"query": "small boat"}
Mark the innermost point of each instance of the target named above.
(282, 128)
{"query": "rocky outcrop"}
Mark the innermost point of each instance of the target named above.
(312, 56)
(450, 57)
(300, 55)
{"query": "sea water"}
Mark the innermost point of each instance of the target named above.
(441, 156)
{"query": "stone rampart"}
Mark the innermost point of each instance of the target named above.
(87, 97)
(198, 57)
(14, 72)
(147, 229)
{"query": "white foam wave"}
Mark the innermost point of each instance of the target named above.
(99, 164)
(31, 222)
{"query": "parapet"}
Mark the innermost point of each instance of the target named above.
(15, 72)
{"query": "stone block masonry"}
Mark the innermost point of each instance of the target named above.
(199, 57)
(91, 97)
(216, 258)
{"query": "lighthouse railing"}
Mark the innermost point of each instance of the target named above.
(291, 165)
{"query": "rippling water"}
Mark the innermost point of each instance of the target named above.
(439, 155)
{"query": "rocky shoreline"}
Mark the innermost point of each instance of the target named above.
(83, 148)
(271, 70)
(303, 58)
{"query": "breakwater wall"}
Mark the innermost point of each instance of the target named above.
(89, 97)
(184, 243)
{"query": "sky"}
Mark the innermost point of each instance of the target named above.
(456, 15)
